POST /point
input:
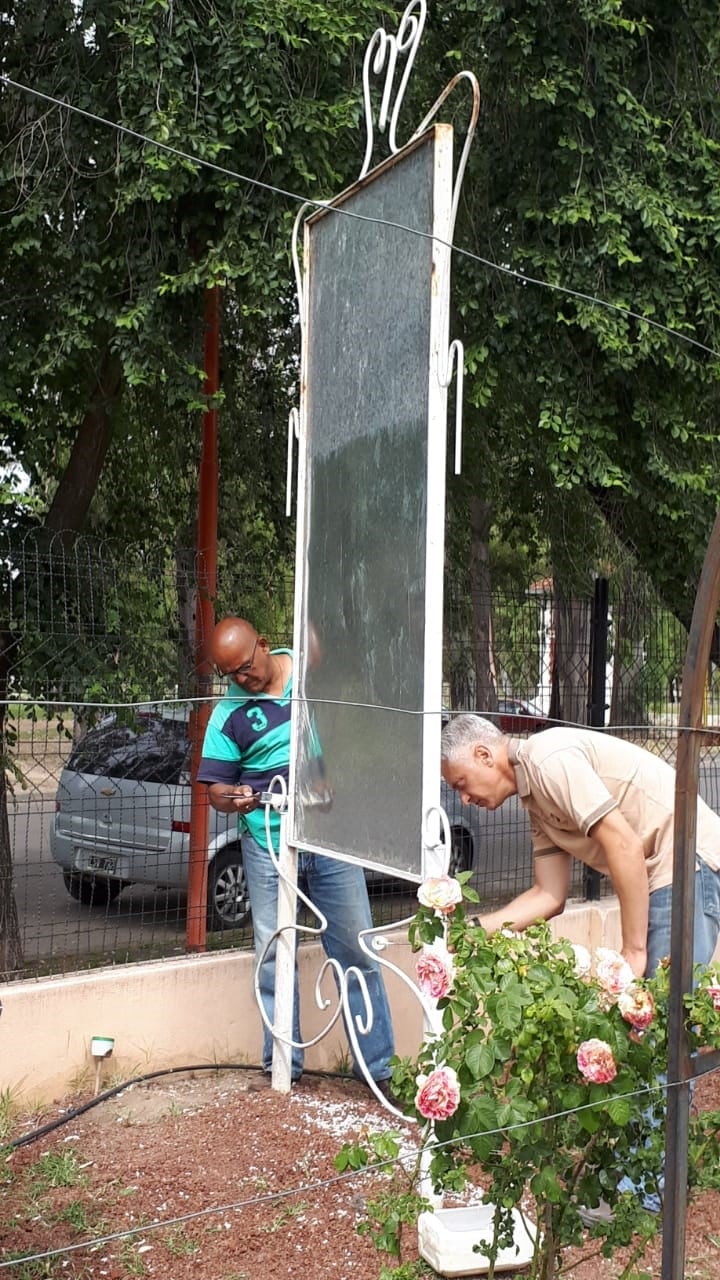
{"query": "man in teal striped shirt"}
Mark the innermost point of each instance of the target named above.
(247, 743)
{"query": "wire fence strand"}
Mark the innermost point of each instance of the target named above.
(98, 651)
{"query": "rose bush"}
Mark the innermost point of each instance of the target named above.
(546, 1073)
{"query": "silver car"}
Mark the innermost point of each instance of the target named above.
(122, 817)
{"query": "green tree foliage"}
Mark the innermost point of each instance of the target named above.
(596, 167)
(107, 242)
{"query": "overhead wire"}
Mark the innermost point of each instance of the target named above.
(326, 205)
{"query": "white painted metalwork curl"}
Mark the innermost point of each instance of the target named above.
(455, 359)
(311, 206)
(316, 931)
(382, 55)
(437, 842)
(374, 942)
(293, 435)
(472, 125)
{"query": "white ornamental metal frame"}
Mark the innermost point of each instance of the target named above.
(384, 60)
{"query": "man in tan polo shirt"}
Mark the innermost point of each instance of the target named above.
(602, 800)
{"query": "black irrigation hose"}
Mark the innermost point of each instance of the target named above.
(33, 1136)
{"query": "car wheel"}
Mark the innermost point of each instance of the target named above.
(461, 851)
(92, 891)
(228, 900)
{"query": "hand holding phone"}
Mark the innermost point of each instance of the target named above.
(246, 799)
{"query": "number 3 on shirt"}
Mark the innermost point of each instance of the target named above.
(257, 718)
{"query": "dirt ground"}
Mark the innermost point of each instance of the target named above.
(220, 1178)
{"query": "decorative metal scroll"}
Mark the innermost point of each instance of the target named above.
(382, 56)
(373, 942)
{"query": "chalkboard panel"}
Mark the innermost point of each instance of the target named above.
(368, 457)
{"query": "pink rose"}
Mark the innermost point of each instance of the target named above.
(613, 973)
(714, 993)
(595, 1062)
(438, 1095)
(637, 1007)
(434, 977)
(442, 893)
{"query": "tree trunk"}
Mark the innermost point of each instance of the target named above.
(461, 674)
(79, 480)
(459, 664)
(480, 583)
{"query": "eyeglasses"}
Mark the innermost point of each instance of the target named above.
(242, 670)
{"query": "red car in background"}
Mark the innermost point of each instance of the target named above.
(518, 715)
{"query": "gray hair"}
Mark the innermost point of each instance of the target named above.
(464, 731)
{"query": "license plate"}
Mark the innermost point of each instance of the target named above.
(95, 863)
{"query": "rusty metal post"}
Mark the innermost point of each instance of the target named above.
(196, 926)
(681, 1063)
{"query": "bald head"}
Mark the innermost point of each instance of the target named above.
(240, 653)
(232, 642)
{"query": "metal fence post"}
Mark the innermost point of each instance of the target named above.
(597, 693)
(682, 1063)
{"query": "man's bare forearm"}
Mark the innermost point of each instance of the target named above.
(628, 872)
(535, 904)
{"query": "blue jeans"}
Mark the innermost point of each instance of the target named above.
(705, 935)
(340, 892)
(707, 920)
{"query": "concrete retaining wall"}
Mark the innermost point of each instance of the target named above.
(196, 1009)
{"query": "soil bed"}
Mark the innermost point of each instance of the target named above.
(242, 1182)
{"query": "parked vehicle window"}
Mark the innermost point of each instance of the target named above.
(154, 750)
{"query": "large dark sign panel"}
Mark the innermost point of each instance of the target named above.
(370, 513)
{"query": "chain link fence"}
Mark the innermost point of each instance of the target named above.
(96, 689)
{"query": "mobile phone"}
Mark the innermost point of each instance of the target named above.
(264, 797)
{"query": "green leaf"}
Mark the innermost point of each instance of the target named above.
(619, 1110)
(480, 1060)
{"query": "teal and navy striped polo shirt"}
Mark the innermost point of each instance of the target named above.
(247, 742)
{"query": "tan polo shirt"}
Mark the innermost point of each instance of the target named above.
(570, 778)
